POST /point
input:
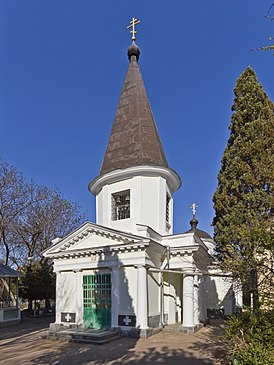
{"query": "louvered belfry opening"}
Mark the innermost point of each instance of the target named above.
(120, 203)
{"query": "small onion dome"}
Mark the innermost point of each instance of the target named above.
(133, 52)
(193, 223)
(202, 234)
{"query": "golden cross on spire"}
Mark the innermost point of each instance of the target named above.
(133, 22)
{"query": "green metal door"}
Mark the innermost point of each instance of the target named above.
(97, 300)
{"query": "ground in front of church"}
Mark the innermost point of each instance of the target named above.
(24, 344)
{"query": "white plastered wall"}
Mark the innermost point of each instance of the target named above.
(128, 291)
(147, 204)
(220, 294)
(66, 292)
(153, 281)
(172, 298)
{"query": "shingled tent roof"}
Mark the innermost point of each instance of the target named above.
(134, 139)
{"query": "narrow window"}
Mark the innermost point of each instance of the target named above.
(120, 205)
(167, 207)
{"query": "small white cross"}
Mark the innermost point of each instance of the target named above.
(127, 320)
(67, 317)
(194, 208)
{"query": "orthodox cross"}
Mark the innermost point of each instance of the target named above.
(194, 209)
(133, 22)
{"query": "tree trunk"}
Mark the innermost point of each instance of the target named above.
(47, 303)
(29, 305)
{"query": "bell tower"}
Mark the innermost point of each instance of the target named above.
(135, 184)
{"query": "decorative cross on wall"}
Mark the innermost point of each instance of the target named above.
(68, 317)
(127, 320)
(133, 22)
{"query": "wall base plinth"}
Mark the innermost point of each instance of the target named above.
(64, 326)
(190, 329)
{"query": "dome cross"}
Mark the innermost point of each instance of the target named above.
(194, 207)
(133, 22)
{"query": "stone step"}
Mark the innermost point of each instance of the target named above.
(88, 336)
(177, 327)
(171, 328)
(95, 340)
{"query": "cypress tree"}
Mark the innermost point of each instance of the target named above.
(244, 199)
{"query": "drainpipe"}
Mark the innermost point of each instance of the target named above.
(161, 300)
(167, 252)
(168, 255)
(162, 287)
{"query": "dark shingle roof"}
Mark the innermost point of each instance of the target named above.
(7, 272)
(134, 139)
(200, 233)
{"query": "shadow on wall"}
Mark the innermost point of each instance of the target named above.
(212, 299)
(216, 307)
(229, 301)
(67, 292)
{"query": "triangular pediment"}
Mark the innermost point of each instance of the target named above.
(92, 237)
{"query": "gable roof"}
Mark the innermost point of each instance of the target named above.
(73, 242)
(134, 139)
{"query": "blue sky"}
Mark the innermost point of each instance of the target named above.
(62, 66)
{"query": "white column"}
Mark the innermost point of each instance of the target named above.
(115, 301)
(188, 302)
(196, 300)
(58, 297)
(79, 298)
(141, 320)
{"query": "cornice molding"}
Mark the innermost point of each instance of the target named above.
(97, 251)
(173, 179)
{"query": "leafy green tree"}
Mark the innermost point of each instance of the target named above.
(244, 199)
(37, 283)
(251, 338)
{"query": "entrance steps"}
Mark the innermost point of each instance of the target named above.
(177, 327)
(172, 327)
(93, 336)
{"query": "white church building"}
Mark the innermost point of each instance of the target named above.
(128, 270)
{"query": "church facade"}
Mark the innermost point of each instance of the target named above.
(129, 271)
